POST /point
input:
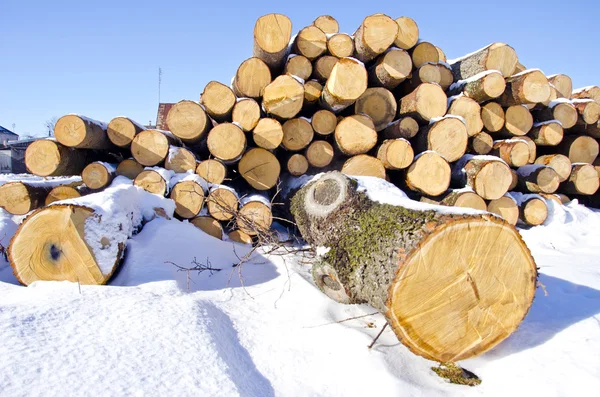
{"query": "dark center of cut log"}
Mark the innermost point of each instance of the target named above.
(331, 283)
(54, 252)
(326, 192)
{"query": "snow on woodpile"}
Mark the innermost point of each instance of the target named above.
(48, 181)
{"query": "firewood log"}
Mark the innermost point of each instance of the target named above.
(405, 127)
(355, 135)
(514, 152)
(283, 97)
(423, 53)
(319, 154)
(563, 85)
(533, 211)
(515, 180)
(49, 158)
(426, 102)
(153, 180)
(592, 130)
(370, 255)
(121, 131)
(260, 168)
(579, 149)
(311, 42)
(493, 117)
(312, 92)
(583, 180)
(340, 45)
(589, 111)
(481, 87)
(537, 178)
(547, 133)
(226, 142)
(188, 195)
(218, 101)
(222, 202)
(528, 87)
(212, 171)
(481, 143)
(251, 78)
(347, 82)
(427, 73)
(246, 114)
(564, 112)
(560, 163)
(458, 198)
(591, 92)
(151, 147)
(297, 134)
(488, 176)
(391, 69)
(446, 136)
(98, 175)
(188, 121)
(323, 67)
(272, 33)
(506, 207)
(240, 237)
(180, 160)
(299, 66)
(532, 148)
(364, 165)
(129, 168)
(379, 104)
(408, 33)
(297, 164)
(327, 24)
(18, 198)
(518, 121)
(81, 132)
(429, 174)
(65, 192)
(209, 225)
(375, 35)
(395, 154)
(496, 56)
(324, 122)
(446, 76)
(469, 110)
(268, 134)
(254, 216)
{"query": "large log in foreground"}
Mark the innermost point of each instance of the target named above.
(407, 263)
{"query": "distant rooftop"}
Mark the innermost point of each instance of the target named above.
(6, 131)
(161, 117)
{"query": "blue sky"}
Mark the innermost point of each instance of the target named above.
(101, 58)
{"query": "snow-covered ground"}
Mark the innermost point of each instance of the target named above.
(148, 334)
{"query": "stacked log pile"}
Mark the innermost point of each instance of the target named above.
(480, 132)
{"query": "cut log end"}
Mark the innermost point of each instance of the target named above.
(180, 160)
(226, 142)
(297, 134)
(297, 164)
(79, 132)
(222, 204)
(152, 182)
(240, 237)
(129, 168)
(63, 192)
(17, 198)
(212, 171)
(324, 122)
(505, 207)
(283, 97)
(379, 104)
(408, 33)
(319, 154)
(218, 100)
(426, 102)
(340, 45)
(254, 218)
(533, 211)
(268, 134)
(364, 165)
(355, 135)
(272, 33)
(188, 121)
(150, 147)
(260, 168)
(327, 23)
(209, 225)
(429, 174)
(246, 114)
(395, 154)
(98, 175)
(492, 116)
(121, 131)
(188, 197)
(49, 158)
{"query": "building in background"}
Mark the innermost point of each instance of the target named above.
(5, 151)
(161, 116)
(7, 135)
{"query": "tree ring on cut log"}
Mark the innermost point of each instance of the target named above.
(96, 176)
(212, 171)
(152, 182)
(222, 204)
(129, 168)
(501, 57)
(492, 181)
(121, 131)
(188, 121)
(254, 218)
(506, 207)
(150, 147)
(429, 173)
(326, 195)
(17, 199)
(188, 197)
(226, 142)
(364, 165)
(260, 168)
(208, 225)
(297, 164)
(61, 192)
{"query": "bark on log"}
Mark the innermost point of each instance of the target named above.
(538, 178)
(209, 225)
(98, 175)
(391, 69)
(49, 158)
(212, 171)
(496, 56)
(515, 180)
(218, 100)
(447, 136)
(579, 149)
(426, 102)
(226, 142)
(395, 154)
(563, 85)
(319, 154)
(152, 181)
(492, 116)
(254, 216)
(188, 121)
(355, 135)
(481, 143)
(518, 121)
(560, 163)
(533, 211)
(371, 255)
(548, 133)
(364, 165)
(324, 122)
(446, 76)
(246, 114)
(340, 45)
(81, 132)
(297, 164)
(423, 53)
(347, 82)
(482, 87)
(375, 35)
(180, 160)
(311, 42)
(488, 177)
(564, 112)
(327, 23)
(151, 147)
(297, 134)
(583, 180)
(299, 66)
(405, 128)
(268, 134)
(283, 97)
(188, 196)
(429, 174)
(122, 130)
(323, 67)
(505, 207)
(408, 33)
(592, 92)
(272, 33)
(589, 111)
(514, 152)
(527, 87)
(260, 168)
(222, 203)
(129, 168)
(251, 78)
(379, 104)
(470, 111)
(18, 198)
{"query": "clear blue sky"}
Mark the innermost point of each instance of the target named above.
(101, 58)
